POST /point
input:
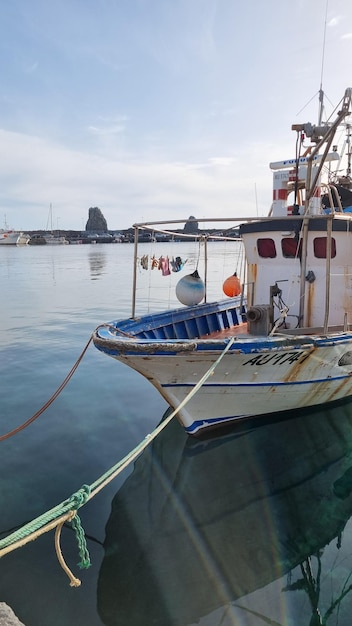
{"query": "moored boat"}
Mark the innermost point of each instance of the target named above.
(55, 240)
(12, 237)
(23, 239)
(284, 343)
(8, 237)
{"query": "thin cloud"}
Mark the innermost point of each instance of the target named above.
(107, 130)
(125, 189)
(109, 125)
(31, 68)
(334, 21)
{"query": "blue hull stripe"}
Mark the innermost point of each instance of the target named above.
(272, 384)
(218, 420)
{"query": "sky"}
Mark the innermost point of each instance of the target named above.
(158, 109)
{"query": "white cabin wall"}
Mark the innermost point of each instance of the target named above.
(340, 309)
(264, 272)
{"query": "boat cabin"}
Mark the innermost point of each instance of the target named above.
(299, 257)
(274, 257)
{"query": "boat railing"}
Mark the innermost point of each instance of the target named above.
(159, 228)
(334, 198)
(232, 234)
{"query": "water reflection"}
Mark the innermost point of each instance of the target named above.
(97, 261)
(247, 526)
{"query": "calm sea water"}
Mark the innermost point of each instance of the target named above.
(247, 528)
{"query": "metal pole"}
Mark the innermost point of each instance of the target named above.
(134, 286)
(205, 267)
(328, 269)
(302, 286)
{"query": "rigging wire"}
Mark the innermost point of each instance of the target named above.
(321, 93)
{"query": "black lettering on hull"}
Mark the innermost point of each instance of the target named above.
(278, 359)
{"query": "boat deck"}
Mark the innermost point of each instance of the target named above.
(242, 329)
(238, 329)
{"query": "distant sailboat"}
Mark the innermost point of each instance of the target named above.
(49, 237)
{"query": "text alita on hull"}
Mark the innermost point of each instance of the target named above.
(285, 341)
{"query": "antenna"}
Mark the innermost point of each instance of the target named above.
(256, 197)
(321, 92)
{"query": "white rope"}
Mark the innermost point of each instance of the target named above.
(150, 437)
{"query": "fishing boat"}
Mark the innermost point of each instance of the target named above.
(285, 342)
(13, 237)
(9, 237)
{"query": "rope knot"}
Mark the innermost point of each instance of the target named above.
(79, 498)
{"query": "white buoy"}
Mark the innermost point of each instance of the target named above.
(190, 289)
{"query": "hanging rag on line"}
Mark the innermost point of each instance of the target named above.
(162, 263)
(177, 264)
(165, 265)
(144, 261)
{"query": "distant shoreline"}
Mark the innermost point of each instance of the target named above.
(37, 237)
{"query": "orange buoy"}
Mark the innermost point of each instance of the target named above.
(232, 286)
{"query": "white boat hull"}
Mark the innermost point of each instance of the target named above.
(257, 376)
(51, 240)
(23, 239)
(9, 238)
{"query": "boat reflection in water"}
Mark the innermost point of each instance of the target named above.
(247, 528)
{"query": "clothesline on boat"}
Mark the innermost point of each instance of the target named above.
(163, 263)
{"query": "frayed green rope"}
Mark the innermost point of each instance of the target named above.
(84, 562)
(77, 500)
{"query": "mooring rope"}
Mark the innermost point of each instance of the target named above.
(67, 511)
(18, 429)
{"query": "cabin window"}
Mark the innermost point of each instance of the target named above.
(266, 248)
(319, 244)
(291, 248)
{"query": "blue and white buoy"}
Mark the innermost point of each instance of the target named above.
(190, 289)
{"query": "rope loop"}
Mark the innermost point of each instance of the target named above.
(74, 582)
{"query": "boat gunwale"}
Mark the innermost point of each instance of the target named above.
(113, 343)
